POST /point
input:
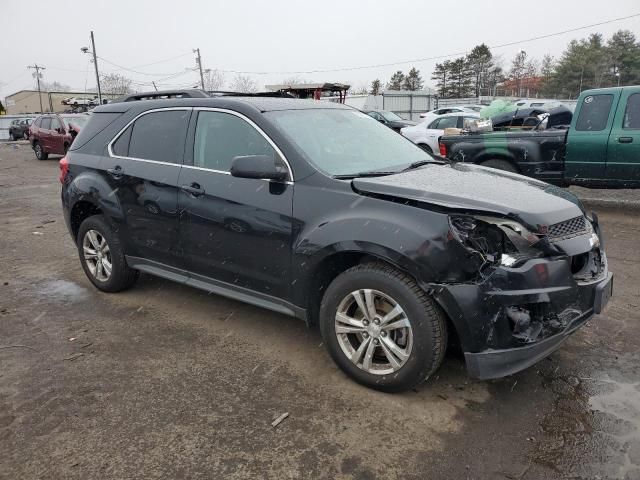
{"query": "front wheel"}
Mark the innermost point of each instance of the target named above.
(381, 328)
(102, 256)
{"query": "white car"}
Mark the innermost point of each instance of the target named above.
(433, 114)
(80, 101)
(427, 134)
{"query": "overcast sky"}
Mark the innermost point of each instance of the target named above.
(279, 36)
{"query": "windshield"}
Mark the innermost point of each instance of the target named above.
(346, 142)
(390, 116)
(78, 121)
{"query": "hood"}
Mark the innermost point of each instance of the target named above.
(471, 187)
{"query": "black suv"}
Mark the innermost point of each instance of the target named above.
(316, 210)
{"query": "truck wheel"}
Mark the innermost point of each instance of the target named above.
(11, 137)
(381, 328)
(102, 256)
(40, 153)
(500, 165)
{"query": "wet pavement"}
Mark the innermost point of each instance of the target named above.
(164, 381)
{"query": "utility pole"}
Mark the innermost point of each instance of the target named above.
(199, 62)
(95, 63)
(37, 68)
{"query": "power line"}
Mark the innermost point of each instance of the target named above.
(37, 68)
(437, 57)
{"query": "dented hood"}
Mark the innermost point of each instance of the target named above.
(471, 187)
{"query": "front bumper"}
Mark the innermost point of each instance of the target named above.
(518, 316)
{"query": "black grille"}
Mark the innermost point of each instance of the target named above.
(569, 228)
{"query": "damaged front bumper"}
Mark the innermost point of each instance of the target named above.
(517, 316)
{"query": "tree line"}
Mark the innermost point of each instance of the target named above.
(590, 62)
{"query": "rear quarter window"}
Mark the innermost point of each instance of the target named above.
(594, 113)
(632, 113)
(97, 122)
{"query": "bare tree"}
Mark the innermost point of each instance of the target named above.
(115, 84)
(213, 80)
(244, 84)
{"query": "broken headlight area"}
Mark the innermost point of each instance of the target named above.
(493, 241)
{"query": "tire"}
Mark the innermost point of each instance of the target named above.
(500, 165)
(425, 147)
(40, 153)
(422, 339)
(93, 235)
(12, 137)
(25, 135)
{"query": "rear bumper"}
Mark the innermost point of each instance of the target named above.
(519, 316)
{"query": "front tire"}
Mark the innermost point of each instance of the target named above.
(102, 256)
(381, 328)
(40, 153)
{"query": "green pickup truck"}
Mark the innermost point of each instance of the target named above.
(601, 148)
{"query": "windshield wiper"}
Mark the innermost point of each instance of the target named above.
(420, 163)
(371, 173)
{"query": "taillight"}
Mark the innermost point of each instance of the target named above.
(64, 168)
(443, 149)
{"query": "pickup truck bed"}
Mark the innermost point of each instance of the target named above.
(534, 154)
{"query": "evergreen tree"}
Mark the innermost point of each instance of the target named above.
(413, 81)
(397, 79)
(442, 76)
(376, 86)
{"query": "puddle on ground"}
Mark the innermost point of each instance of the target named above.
(593, 430)
(63, 290)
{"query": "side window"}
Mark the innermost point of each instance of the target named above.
(434, 124)
(448, 122)
(159, 136)
(55, 123)
(594, 113)
(374, 115)
(37, 122)
(45, 123)
(220, 137)
(632, 112)
(121, 146)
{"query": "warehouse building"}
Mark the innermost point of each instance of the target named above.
(26, 101)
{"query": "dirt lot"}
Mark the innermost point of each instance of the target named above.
(164, 381)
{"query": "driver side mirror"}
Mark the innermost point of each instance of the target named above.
(257, 166)
(60, 130)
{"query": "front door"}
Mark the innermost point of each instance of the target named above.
(142, 171)
(623, 162)
(587, 141)
(234, 230)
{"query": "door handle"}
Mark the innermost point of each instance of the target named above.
(115, 171)
(625, 139)
(194, 189)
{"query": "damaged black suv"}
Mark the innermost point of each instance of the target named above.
(315, 210)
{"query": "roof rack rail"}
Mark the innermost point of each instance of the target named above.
(194, 93)
(162, 94)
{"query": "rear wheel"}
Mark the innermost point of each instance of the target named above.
(12, 137)
(381, 328)
(102, 256)
(40, 153)
(500, 165)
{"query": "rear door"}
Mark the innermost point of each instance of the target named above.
(588, 138)
(234, 230)
(623, 161)
(142, 170)
(56, 136)
(44, 133)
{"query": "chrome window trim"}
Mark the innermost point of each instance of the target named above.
(117, 136)
(255, 126)
(207, 109)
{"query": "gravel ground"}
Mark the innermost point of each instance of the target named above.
(164, 381)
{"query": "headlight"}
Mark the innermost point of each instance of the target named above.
(496, 241)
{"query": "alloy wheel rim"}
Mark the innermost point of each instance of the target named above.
(97, 255)
(373, 331)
